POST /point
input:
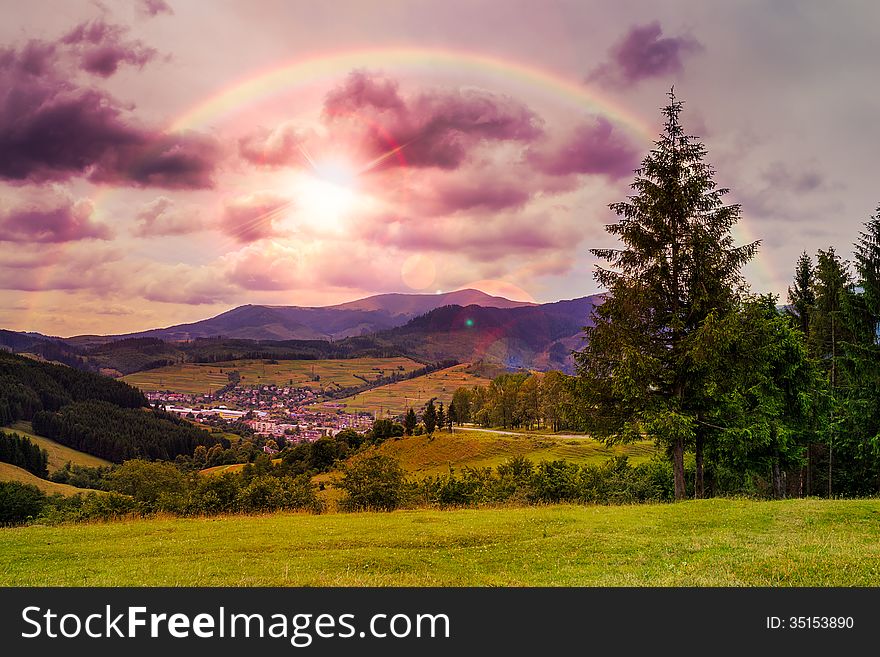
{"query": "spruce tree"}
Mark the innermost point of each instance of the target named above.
(429, 417)
(801, 294)
(409, 422)
(677, 266)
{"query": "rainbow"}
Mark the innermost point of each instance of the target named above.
(329, 66)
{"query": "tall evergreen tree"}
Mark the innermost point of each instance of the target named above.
(441, 417)
(429, 417)
(801, 294)
(678, 265)
(409, 422)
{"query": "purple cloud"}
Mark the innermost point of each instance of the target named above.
(101, 48)
(53, 129)
(644, 53)
(68, 221)
(155, 7)
(591, 149)
(435, 129)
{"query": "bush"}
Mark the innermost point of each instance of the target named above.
(19, 502)
(268, 493)
(374, 483)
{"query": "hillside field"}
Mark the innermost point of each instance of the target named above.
(10, 472)
(58, 454)
(203, 378)
(699, 543)
(395, 398)
(421, 455)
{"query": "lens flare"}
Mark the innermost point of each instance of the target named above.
(418, 271)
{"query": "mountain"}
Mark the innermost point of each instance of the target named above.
(539, 336)
(361, 317)
(501, 333)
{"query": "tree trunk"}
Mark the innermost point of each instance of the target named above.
(698, 476)
(777, 478)
(678, 468)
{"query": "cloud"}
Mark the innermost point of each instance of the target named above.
(486, 238)
(54, 221)
(161, 216)
(154, 7)
(184, 160)
(76, 266)
(253, 217)
(592, 148)
(265, 266)
(277, 147)
(101, 47)
(182, 283)
(271, 265)
(436, 128)
(644, 53)
(52, 128)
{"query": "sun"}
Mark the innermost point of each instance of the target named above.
(327, 193)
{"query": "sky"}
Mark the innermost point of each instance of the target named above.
(162, 161)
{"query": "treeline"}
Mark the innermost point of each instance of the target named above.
(20, 451)
(835, 305)
(143, 488)
(118, 434)
(378, 483)
(682, 353)
(530, 400)
(28, 386)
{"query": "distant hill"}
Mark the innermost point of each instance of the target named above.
(464, 326)
(538, 337)
(361, 317)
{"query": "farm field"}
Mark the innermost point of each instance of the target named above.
(395, 398)
(204, 378)
(58, 454)
(698, 543)
(10, 472)
(421, 456)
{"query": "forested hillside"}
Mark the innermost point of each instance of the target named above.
(28, 386)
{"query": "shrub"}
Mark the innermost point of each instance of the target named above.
(19, 502)
(375, 483)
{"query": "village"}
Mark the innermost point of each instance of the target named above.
(271, 411)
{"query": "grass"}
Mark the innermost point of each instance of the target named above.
(59, 454)
(10, 472)
(203, 378)
(422, 456)
(703, 543)
(395, 398)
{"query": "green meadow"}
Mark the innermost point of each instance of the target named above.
(699, 543)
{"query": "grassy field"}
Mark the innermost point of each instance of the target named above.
(702, 543)
(12, 473)
(200, 378)
(395, 398)
(421, 456)
(58, 454)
